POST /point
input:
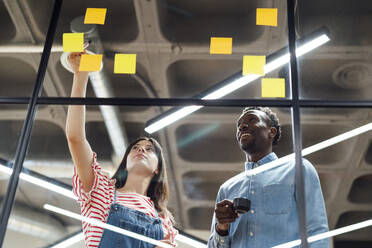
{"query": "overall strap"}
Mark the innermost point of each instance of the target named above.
(115, 200)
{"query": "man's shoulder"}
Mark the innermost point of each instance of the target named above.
(308, 166)
(305, 162)
(233, 181)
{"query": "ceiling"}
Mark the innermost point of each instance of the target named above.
(171, 40)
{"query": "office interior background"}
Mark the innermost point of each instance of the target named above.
(172, 42)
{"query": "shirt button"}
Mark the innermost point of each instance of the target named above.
(252, 211)
(252, 192)
(251, 234)
(222, 241)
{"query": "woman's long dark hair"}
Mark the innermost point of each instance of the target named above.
(158, 190)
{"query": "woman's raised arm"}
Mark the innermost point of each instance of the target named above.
(80, 149)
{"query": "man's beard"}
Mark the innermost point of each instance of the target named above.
(247, 146)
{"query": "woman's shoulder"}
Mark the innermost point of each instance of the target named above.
(101, 172)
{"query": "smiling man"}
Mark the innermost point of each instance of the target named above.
(273, 217)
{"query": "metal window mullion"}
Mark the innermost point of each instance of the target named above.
(24, 140)
(296, 125)
(122, 101)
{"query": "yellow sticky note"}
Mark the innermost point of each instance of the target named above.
(125, 63)
(73, 42)
(267, 17)
(273, 87)
(220, 45)
(95, 16)
(90, 62)
(253, 65)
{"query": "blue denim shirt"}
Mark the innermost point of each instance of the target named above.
(273, 218)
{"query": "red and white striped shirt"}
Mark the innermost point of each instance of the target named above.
(96, 204)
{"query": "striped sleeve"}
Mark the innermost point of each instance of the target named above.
(102, 188)
(169, 230)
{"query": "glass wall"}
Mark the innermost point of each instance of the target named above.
(340, 70)
(212, 50)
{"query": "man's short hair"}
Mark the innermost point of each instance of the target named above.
(273, 120)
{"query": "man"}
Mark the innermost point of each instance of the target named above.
(273, 217)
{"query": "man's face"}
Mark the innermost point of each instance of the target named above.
(252, 132)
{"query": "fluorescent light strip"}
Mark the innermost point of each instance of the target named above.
(337, 139)
(80, 236)
(70, 241)
(48, 185)
(106, 226)
(312, 149)
(40, 182)
(179, 237)
(227, 89)
(5, 169)
(262, 168)
(328, 234)
(275, 163)
(179, 114)
(190, 241)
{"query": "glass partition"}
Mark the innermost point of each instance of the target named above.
(343, 168)
(172, 44)
(201, 152)
(21, 48)
(341, 68)
(190, 50)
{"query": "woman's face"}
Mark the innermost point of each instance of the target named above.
(142, 158)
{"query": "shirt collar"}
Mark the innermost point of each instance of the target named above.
(268, 158)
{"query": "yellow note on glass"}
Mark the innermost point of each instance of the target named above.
(273, 87)
(220, 45)
(125, 63)
(95, 16)
(90, 62)
(267, 17)
(73, 42)
(253, 65)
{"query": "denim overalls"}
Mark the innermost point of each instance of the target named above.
(131, 220)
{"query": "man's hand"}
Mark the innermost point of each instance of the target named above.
(224, 216)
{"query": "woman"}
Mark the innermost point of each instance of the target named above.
(135, 198)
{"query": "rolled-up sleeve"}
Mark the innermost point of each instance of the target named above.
(216, 240)
(102, 184)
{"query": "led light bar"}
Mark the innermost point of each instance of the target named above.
(257, 170)
(106, 226)
(278, 162)
(80, 236)
(185, 111)
(311, 149)
(179, 237)
(236, 84)
(40, 182)
(6, 170)
(190, 241)
(48, 185)
(70, 241)
(325, 235)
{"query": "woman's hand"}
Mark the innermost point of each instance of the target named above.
(166, 240)
(74, 60)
